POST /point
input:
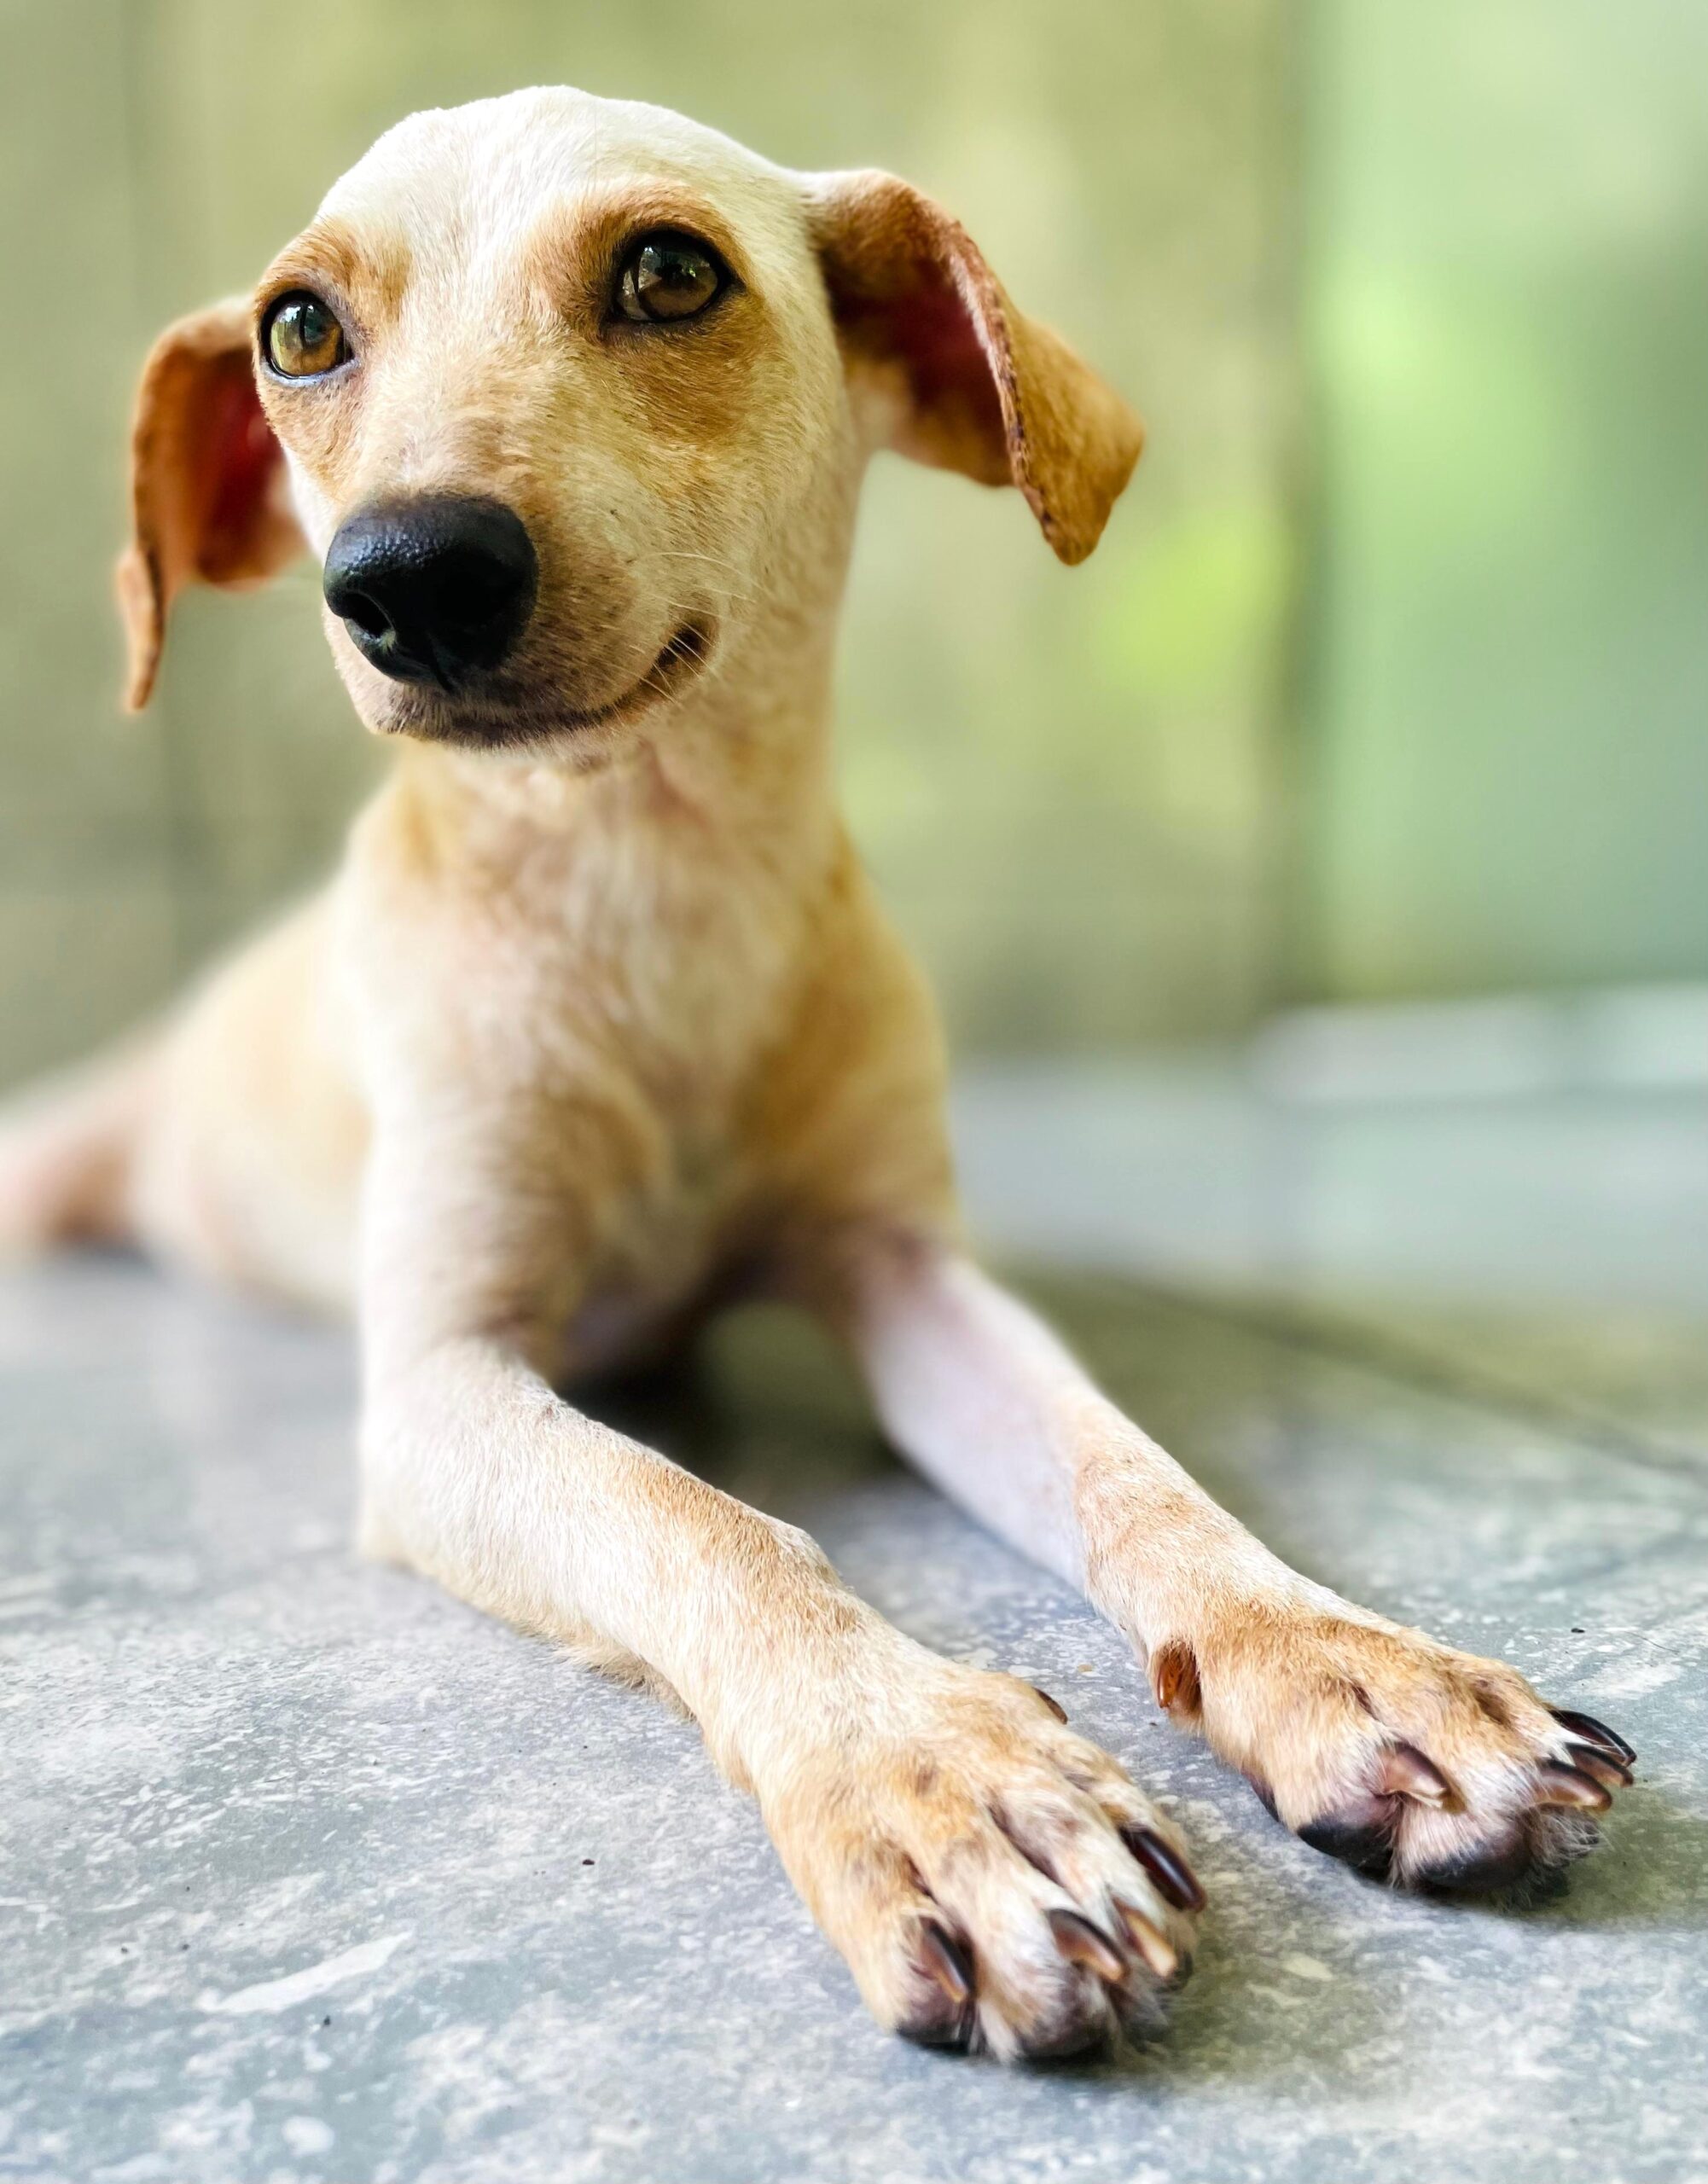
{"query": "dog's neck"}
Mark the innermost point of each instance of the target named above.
(735, 770)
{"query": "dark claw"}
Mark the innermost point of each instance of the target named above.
(1612, 1773)
(1593, 1732)
(1081, 1943)
(938, 2028)
(1570, 1786)
(951, 2018)
(1153, 1944)
(1176, 1882)
(1365, 1845)
(1054, 1705)
(945, 1961)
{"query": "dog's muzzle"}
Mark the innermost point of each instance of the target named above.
(435, 590)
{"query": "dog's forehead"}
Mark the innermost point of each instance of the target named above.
(478, 177)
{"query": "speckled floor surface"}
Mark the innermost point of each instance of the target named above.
(308, 1872)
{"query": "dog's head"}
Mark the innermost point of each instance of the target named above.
(571, 396)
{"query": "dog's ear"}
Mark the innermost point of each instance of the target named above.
(208, 498)
(949, 372)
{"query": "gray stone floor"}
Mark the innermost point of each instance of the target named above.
(308, 1873)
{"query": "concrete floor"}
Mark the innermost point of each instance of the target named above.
(308, 1873)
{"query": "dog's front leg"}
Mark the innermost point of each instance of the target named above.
(1424, 1765)
(990, 1877)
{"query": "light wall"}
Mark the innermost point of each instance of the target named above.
(1060, 777)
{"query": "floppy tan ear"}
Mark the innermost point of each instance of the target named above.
(208, 502)
(954, 373)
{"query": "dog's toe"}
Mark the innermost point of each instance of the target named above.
(996, 1883)
(1418, 1766)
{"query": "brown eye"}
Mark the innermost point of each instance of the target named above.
(302, 337)
(668, 276)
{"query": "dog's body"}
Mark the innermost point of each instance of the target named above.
(600, 1021)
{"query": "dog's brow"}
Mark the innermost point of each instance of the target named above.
(372, 270)
(573, 239)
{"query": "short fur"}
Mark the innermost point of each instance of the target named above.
(601, 1017)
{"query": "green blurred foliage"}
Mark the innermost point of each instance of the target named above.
(1507, 763)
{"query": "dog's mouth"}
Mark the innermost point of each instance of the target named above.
(681, 659)
(511, 714)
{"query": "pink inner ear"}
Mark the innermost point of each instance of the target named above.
(928, 330)
(240, 458)
(945, 361)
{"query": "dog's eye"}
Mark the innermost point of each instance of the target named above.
(302, 338)
(666, 276)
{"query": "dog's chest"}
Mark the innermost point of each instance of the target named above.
(660, 1032)
(606, 998)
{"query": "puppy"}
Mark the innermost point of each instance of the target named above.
(572, 399)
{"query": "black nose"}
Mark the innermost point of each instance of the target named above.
(435, 589)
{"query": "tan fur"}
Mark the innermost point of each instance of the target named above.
(600, 1014)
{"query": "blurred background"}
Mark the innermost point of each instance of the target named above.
(1388, 683)
(1387, 680)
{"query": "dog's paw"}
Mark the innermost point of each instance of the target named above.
(1420, 1766)
(994, 1881)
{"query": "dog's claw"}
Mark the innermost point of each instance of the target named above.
(1054, 1705)
(1406, 1772)
(1612, 1773)
(1559, 1785)
(1081, 1943)
(1152, 1943)
(1175, 1880)
(943, 1960)
(949, 2017)
(1593, 1732)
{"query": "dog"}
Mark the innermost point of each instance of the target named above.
(599, 1024)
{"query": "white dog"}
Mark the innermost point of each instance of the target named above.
(600, 1021)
